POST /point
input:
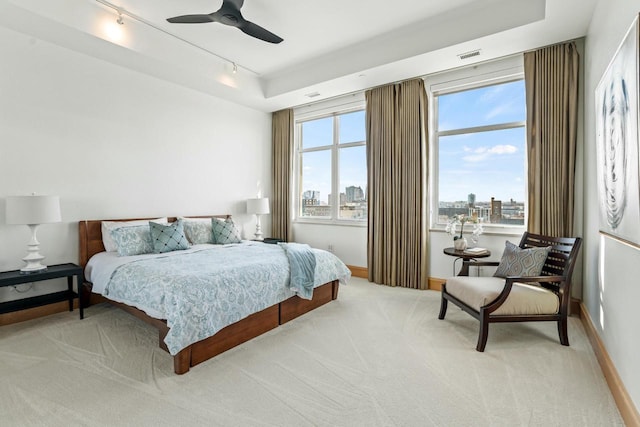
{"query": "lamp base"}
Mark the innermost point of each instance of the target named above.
(33, 264)
(27, 270)
(258, 232)
(33, 257)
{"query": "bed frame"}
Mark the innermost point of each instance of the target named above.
(90, 233)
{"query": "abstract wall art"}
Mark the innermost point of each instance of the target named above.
(618, 159)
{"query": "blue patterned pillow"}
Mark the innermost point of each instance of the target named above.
(167, 238)
(521, 262)
(198, 230)
(224, 231)
(134, 240)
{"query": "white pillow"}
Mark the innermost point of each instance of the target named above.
(108, 226)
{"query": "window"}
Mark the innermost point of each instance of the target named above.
(332, 167)
(480, 150)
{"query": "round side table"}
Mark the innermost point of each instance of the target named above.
(464, 256)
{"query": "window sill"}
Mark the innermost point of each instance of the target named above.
(493, 231)
(330, 222)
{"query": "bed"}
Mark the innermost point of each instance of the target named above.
(138, 284)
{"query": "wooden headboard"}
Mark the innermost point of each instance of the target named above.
(90, 234)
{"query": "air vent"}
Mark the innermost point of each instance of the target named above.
(312, 94)
(469, 54)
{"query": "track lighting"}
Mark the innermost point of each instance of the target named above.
(116, 35)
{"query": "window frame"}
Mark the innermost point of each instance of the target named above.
(468, 78)
(317, 112)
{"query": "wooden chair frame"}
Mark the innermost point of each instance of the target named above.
(555, 276)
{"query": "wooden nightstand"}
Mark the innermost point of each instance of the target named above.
(12, 278)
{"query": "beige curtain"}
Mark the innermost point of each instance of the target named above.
(551, 81)
(282, 137)
(397, 169)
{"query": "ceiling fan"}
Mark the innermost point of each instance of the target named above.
(229, 14)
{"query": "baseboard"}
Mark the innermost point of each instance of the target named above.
(36, 312)
(435, 284)
(362, 272)
(97, 299)
(574, 307)
(432, 284)
(625, 405)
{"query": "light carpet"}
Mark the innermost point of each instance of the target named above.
(377, 356)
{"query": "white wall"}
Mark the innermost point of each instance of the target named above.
(114, 143)
(611, 269)
(441, 265)
(349, 243)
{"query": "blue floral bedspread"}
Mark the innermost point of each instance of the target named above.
(201, 292)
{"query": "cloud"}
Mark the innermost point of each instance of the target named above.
(483, 153)
(500, 110)
(503, 149)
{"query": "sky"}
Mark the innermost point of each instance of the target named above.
(316, 174)
(488, 164)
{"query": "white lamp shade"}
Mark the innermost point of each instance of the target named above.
(258, 206)
(33, 209)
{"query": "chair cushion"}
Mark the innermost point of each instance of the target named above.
(523, 299)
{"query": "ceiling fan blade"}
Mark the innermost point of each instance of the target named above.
(258, 32)
(237, 3)
(229, 14)
(190, 19)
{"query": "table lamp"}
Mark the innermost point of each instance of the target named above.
(32, 211)
(259, 206)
